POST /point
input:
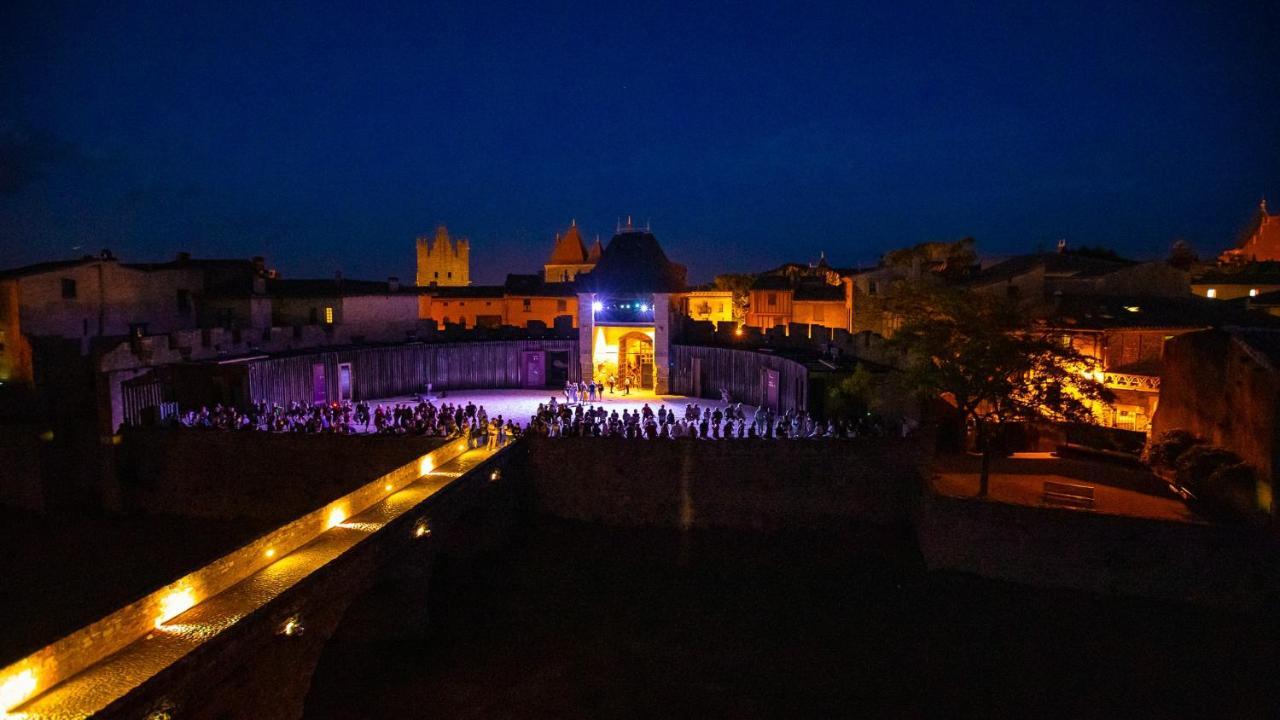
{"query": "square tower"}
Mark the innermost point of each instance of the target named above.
(443, 262)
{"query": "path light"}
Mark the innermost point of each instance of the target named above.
(422, 529)
(336, 516)
(387, 487)
(270, 553)
(495, 475)
(292, 627)
(174, 604)
(16, 689)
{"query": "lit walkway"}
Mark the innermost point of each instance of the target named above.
(91, 690)
(1020, 481)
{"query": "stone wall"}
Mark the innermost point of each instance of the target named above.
(252, 474)
(1214, 387)
(755, 484)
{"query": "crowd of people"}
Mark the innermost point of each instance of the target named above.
(422, 417)
(555, 419)
(552, 419)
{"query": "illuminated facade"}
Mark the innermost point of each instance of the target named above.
(443, 261)
(1262, 243)
(626, 303)
(15, 351)
(807, 295)
(521, 300)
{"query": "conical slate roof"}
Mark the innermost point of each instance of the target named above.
(593, 255)
(634, 262)
(569, 249)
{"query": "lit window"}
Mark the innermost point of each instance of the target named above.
(1211, 293)
(1253, 292)
(328, 316)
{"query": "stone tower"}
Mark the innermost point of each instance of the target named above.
(443, 261)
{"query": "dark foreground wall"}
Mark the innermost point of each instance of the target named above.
(266, 476)
(758, 484)
(1218, 565)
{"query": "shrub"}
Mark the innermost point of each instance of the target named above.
(1195, 466)
(1233, 489)
(1166, 451)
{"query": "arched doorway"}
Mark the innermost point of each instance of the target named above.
(635, 359)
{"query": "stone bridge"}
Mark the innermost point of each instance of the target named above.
(241, 636)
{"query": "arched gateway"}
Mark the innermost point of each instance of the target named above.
(627, 331)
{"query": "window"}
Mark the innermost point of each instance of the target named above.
(450, 273)
(562, 305)
(68, 289)
(1211, 293)
(873, 287)
(328, 316)
(184, 301)
(436, 274)
(313, 316)
(528, 305)
(772, 300)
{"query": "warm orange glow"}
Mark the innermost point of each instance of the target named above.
(336, 516)
(387, 487)
(16, 690)
(425, 466)
(174, 604)
(422, 529)
(737, 331)
(271, 552)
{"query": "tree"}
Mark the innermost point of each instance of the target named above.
(740, 284)
(980, 353)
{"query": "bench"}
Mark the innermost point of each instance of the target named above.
(1060, 493)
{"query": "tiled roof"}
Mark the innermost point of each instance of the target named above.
(1059, 264)
(1102, 312)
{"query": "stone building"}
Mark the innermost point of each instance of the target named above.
(570, 257)
(522, 299)
(1248, 280)
(624, 327)
(99, 296)
(1038, 278)
(815, 294)
(443, 261)
(1128, 337)
(1261, 243)
(1223, 385)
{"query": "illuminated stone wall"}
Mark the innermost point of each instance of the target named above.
(443, 261)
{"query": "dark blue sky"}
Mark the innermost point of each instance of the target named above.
(328, 136)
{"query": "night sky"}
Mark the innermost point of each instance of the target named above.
(328, 137)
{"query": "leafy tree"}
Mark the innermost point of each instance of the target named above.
(740, 285)
(1182, 256)
(851, 394)
(980, 353)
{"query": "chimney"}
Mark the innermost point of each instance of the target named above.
(183, 256)
(393, 284)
